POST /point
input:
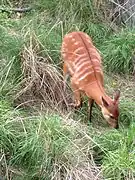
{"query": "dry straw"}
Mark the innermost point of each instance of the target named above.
(42, 80)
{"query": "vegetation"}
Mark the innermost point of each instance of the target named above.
(41, 137)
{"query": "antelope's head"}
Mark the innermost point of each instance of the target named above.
(110, 111)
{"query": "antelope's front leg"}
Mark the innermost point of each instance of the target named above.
(77, 94)
(90, 105)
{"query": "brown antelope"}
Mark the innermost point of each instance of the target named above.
(82, 62)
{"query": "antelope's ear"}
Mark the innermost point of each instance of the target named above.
(116, 96)
(104, 103)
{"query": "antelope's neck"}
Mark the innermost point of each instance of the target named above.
(96, 91)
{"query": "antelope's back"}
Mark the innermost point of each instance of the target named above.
(81, 57)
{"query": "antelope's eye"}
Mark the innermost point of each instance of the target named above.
(112, 117)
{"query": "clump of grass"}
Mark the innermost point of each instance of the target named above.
(117, 52)
(42, 81)
(116, 152)
(73, 15)
(98, 32)
(44, 146)
(67, 9)
(120, 162)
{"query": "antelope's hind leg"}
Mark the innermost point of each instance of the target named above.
(90, 105)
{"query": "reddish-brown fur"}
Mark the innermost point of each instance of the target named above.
(83, 62)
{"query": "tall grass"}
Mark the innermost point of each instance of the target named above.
(67, 9)
(119, 160)
(43, 147)
(114, 151)
(47, 146)
(10, 70)
(117, 52)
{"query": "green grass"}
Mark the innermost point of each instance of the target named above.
(127, 111)
(32, 142)
(36, 146)
(33, 145)
(117, 52)
(118, 163)
(115, 153)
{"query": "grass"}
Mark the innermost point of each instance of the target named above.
(37, 146)
(37, 142)
(117, 52)
(118, 161)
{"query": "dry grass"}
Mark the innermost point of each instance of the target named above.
(86, 171)
(42, 80)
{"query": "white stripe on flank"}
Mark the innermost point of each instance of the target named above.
(96, 55)
(78, 67)
(80, 56)
(85, 75)
(89, 41)
(83, 71)
(98, 71)
(96, 60)
(97, 68)
(79, 49)
(81, 60)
